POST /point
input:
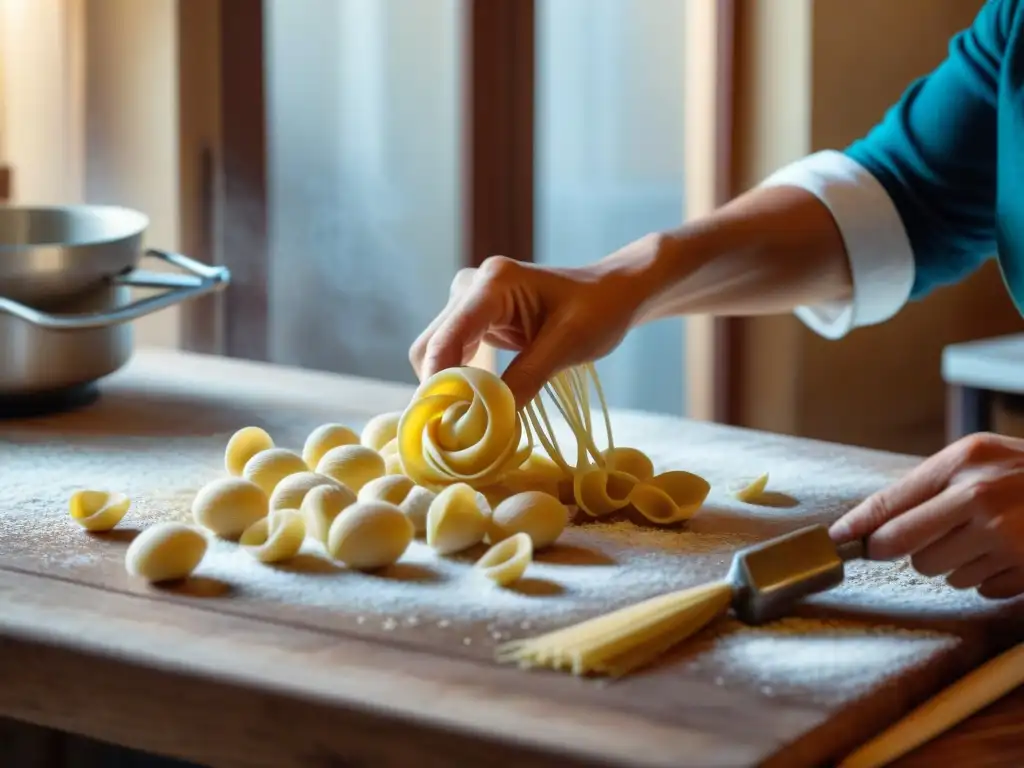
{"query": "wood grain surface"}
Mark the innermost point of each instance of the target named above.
(309, 664)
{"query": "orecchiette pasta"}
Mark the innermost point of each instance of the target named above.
(98, 510)
(369, 535)
(165, 552)
(276, 537)
(228, 506)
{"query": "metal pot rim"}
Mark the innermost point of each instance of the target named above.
(132, 224)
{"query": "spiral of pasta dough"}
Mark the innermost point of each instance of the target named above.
(461, 427)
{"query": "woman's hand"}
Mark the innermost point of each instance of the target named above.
(555, 317)
(959, 514)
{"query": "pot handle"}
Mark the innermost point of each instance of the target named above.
(199, 280)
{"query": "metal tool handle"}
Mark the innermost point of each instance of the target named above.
(199, 280)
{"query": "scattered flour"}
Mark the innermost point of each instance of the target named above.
(833, 662)
(598, 567)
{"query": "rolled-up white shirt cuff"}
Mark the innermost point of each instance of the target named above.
(877, 245)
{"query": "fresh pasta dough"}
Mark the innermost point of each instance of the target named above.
(390, 488)
(290, 492)
(457, 519)
(380, 430)
(416, 506)
(749, 489)
(631, 461)
(600, 492)
(275, 538)
(324, 438)
(461, 426)
(670, 497)
(597, 489)
(243, 445)
(228, 506)
(537, 473)
(538, 515)
(506, 561)
(268, 468)
(624, 640)
(352, 465)
(606, 481)
(98, 510)
(392, 460)
(414, 500)
(165, 552)
(322, 505)
(370, 535)
(393, 465)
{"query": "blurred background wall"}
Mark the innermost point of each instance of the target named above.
(90, 109)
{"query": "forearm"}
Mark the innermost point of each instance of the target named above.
(767, 252)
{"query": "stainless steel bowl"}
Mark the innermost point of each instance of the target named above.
(52, 253)
(75, 327)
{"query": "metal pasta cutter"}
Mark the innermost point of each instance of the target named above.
(768, 577)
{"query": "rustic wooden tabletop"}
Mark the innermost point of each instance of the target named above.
(308, 665)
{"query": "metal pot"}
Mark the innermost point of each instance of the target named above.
(51, 253)
(77, 328)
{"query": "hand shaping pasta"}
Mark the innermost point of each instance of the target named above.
(556, 317)
(959, 514)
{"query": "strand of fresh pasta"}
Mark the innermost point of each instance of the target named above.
(624, 640)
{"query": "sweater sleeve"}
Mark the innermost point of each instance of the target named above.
(914, 200)
(934, 153)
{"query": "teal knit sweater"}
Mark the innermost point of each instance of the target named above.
(950, 154)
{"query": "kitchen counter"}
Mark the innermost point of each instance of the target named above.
(309, 664)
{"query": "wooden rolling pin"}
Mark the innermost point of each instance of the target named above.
(971, 693)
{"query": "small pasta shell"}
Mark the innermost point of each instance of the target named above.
(275, 538)
(291, 491)
(633, 462)
(539, 515)
(165, 552)
(324, 438)
(268, 468)
(506, 561)
(370, 535)
(98, 510)
(243, 445)
(352, 465)
(229, 505)
(599, 492)
(457, 519)
(670, 497)
(380, 430)
(749, 489)
(322, 505)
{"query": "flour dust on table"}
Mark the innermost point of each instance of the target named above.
(428, 600)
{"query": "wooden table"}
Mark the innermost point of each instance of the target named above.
(975, 372)
(301, 667)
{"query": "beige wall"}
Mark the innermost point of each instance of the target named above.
(131, 87)
(815, 74)
(90, 112)
(41, 131)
